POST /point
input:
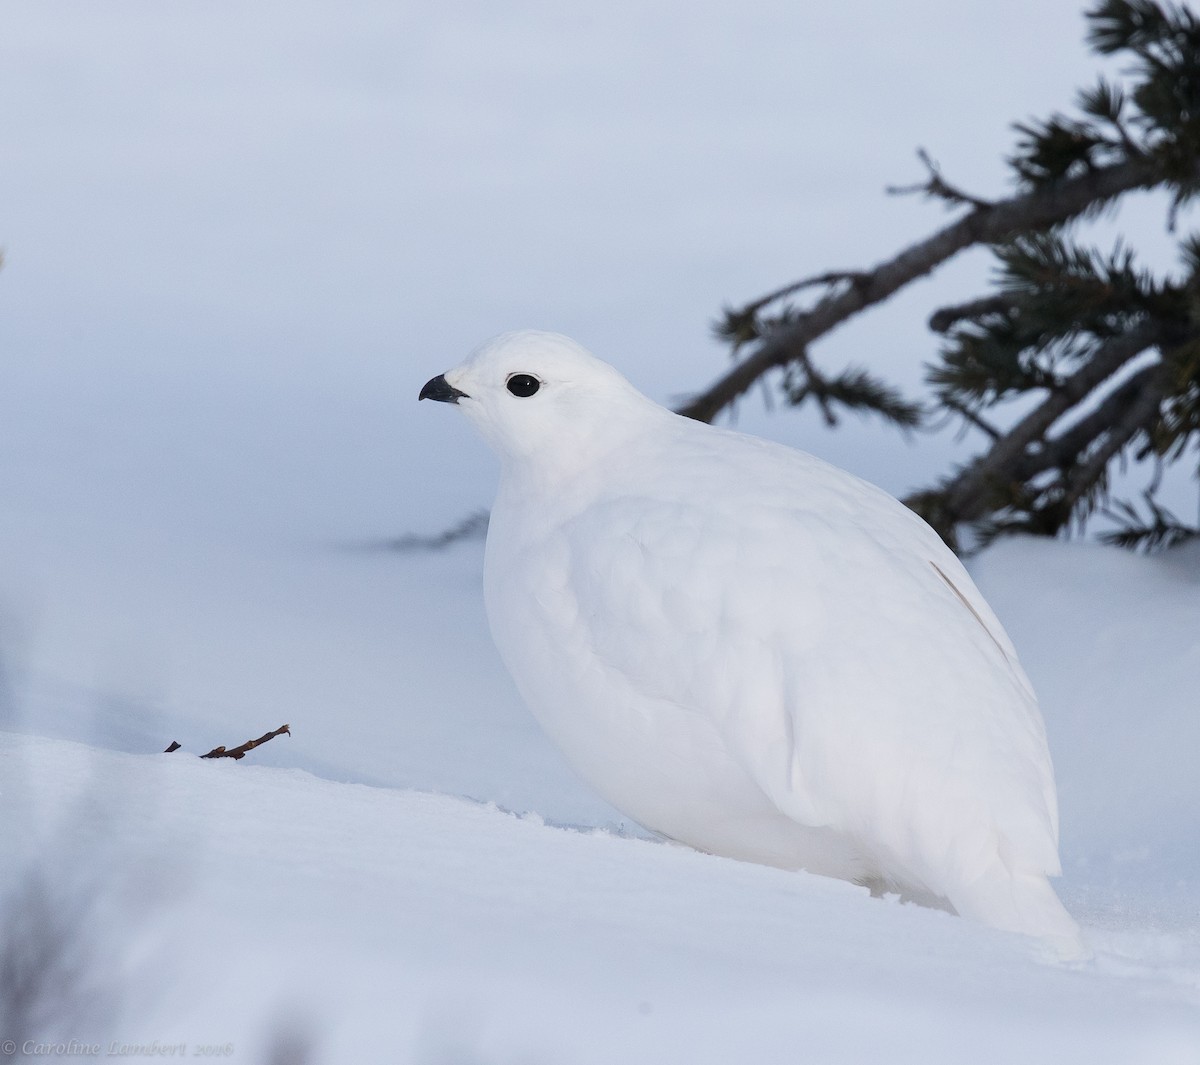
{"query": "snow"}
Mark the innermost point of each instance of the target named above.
(1112, 642)
(389, 918)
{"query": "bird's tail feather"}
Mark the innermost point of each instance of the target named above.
(1021, 902)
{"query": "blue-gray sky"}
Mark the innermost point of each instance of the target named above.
(240, 236)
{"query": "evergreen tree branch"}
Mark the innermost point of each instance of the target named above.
(1082, 478)
(853, 388)
(1163, 530)
(1036, 209)
(937, 187)
(472, 527)
(970, 494)
(1060, 451)
(1065, 327)
(945, 318)
(977, 420)
(830, 277)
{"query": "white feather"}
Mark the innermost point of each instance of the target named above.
(755, 653)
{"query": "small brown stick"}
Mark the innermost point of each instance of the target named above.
(237, 752)
(249, 745)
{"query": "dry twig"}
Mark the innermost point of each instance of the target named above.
(238, 752)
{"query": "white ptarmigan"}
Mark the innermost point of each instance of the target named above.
(753, 652)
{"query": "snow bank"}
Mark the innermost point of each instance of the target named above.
(242, 899)
(426, 928)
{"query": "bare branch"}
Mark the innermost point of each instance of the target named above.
(237, 752)
(936, 186)
(249, 745)
(831, 277)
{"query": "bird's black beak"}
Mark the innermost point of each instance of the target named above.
(441, 390)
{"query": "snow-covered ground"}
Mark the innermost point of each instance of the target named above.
(414, 876)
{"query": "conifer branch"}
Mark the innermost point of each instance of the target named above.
(853, 388)
(945, 318)
(972, 416)
(1163, 530)
(1063, 323)
(1083, 477)
(1061, 451)
(971, 493)
(1036, 209)
(937, 187)
(472, 527)
(830, 277)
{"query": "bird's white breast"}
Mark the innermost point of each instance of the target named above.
(752, 652)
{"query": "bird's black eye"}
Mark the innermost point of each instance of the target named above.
(523, 384)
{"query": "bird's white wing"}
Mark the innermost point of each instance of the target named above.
(839, 647)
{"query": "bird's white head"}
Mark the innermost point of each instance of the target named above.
(533, 394)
